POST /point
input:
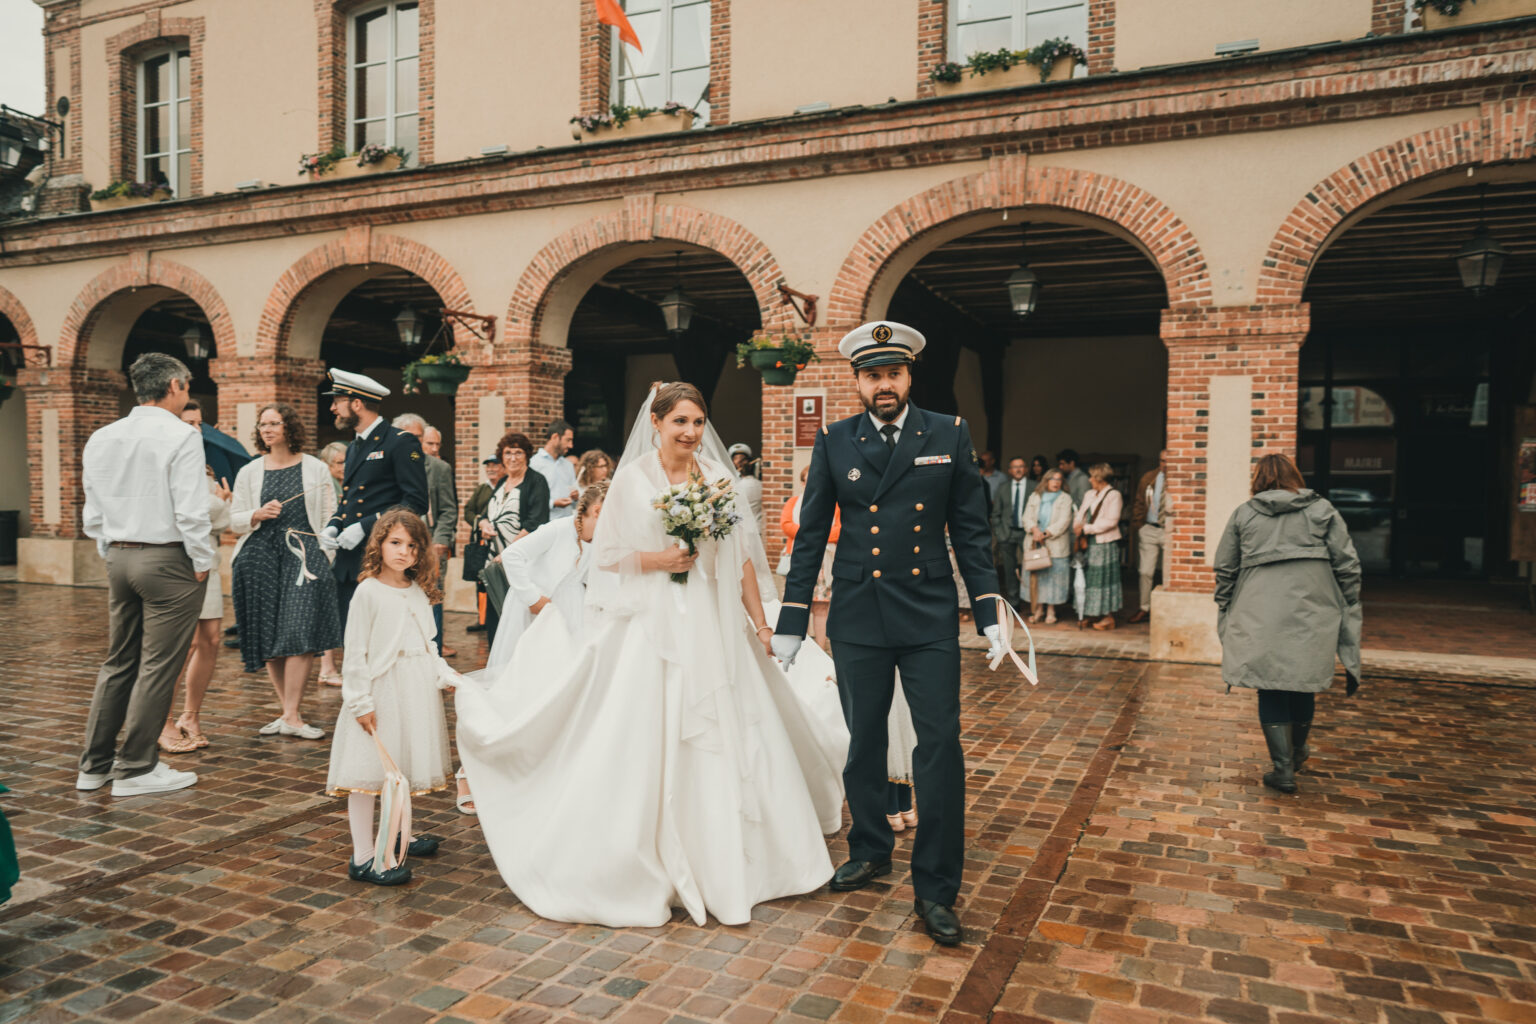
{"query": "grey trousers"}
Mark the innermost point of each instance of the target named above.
(1149, 559)
(153, 600)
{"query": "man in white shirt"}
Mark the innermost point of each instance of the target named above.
(749, 486)
(146, 506)
(556, 469)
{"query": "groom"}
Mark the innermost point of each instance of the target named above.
(899, 477)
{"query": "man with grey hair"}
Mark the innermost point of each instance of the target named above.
(146, 506)
(442, 505)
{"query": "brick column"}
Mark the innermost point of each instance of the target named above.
(248, 382)
(65, 405)
(1231, 396)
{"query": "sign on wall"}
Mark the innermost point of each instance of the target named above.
(808, 419)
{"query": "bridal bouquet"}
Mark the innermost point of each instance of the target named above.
(694, 509)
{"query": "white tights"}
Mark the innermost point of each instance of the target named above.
(360, 816)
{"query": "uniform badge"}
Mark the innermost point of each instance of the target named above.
(374, 455)
(881, 333)
(853, 474)
(416, 455)
(974, 460)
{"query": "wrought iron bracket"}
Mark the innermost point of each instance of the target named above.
(46, 350)
(488, 323)
(806, 307)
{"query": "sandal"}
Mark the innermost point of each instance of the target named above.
(330, 679)
(181, 745)
(195, 734)
(465, 801)
(1050, 619)
(1107, 622)
(896, 822)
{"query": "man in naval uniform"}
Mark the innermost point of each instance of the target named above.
(385, 467)
(899, 477)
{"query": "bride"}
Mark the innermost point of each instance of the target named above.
(666, 760)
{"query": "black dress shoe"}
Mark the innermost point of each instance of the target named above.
(389, 876)
(856, 874)
(233, 641)
(423, 846)
(943, 926)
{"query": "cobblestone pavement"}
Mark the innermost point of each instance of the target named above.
(1124, 864)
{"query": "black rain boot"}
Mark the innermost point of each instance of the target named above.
(1300, 751)
(1278, 737)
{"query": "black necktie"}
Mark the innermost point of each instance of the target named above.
(889, 431)
(1018, 513)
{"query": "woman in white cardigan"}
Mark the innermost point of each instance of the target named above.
(281, 586)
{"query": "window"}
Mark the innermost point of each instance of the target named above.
(988, 25)
(165, 120)
(674, 35)
(384, 63)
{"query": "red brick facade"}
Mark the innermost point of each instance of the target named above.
(597, 57)
(1101, 36)
(12, 309)
(141, 270)
(125, 51)
(331, 56)
(932, 42)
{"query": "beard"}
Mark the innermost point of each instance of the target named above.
(891, 410)
(347, 420)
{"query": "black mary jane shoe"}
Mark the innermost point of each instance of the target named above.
(856, 874)
(423, 846)
(942, 924)
(389, 876)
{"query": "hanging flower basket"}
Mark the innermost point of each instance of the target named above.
(778, 359)
(128, 193)
(622, 122)
(438, 375)
(1450, 13)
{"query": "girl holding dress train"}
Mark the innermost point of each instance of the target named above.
(391, 683)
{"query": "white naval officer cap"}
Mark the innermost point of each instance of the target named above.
(356, 385)
(881, 343)
(740, 449)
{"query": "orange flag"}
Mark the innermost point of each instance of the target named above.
(610, 13)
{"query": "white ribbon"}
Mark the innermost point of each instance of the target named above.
(1006, 615)
(291, 538)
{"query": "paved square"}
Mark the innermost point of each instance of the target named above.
(1124, 865)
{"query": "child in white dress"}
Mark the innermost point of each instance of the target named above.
(392, 678)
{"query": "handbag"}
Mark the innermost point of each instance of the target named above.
(1082, 538)
(1036, 559)
(494, 577)
(476, 553)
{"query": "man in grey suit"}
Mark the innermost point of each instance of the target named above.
(442, 505)
(1008, 531)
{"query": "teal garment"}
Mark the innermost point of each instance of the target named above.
(10, 867)
(1047, 502)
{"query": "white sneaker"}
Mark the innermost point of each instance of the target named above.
(303, 732)
(273, 727)
(160, 779)
(90, 780)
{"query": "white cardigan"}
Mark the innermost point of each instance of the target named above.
(245, 499)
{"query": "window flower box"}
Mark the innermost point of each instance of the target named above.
(632, 122)
(338, 163)
(129, 193)
(1055, 60)
(1450, 13)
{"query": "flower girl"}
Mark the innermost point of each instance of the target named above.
(391, 677)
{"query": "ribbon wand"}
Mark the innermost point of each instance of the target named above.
(1006, 615)
(291, 539)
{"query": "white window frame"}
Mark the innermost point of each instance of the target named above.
(618, 54)
(391, 115)
(1017, 26)
(175, 143)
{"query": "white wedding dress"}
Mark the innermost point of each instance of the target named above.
(660, 759)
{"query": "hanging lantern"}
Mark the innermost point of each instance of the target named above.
(192, 341)
(1023, 285)
(1480, 262)
(409, 323)
(676, 306)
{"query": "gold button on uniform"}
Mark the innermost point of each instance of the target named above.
(919, 506)
(876, 551)
(874, 529)
(874, 508)
(916, 572)
(916, 549)
(917, 529)
(876, 574)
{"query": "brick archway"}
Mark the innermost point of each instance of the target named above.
(359, 246)
(1504, 131)
(640, 220)
(12, 309)
(141, 270)
(1010, 183)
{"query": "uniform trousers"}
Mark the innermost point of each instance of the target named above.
(153, 601)
(930, 676)
(346, 567)
(1149, 558)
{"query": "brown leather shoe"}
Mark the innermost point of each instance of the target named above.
(1107, 622)
(1140, 616)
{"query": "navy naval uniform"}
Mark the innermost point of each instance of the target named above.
(384, 469)
(894, 606)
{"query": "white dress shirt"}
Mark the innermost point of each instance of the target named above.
(145, 483)
(899, 422)
(561, 477)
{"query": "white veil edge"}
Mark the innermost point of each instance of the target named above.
(643, 441)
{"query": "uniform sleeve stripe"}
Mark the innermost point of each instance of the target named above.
(792, 604)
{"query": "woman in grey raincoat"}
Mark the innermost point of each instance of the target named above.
(1288, 594)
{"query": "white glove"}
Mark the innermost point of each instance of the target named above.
(351, 537)
(327, 539)
(994, 635)
(785, 647)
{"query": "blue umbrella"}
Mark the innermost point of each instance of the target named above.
(223, 453)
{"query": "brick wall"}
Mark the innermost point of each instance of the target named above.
(85, 400)
(932, 41)
(597, 56)
(1101, 36)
